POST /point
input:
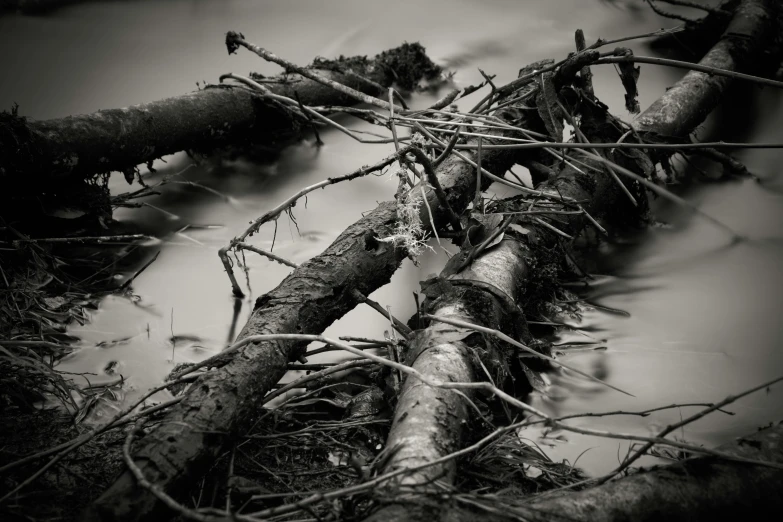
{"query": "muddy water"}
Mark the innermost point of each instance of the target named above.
(703, 315)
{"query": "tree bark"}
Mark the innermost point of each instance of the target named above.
(423, 429)
(694, 490)
(744, 44)
(430, 423)
(221, 404)
(77, 147)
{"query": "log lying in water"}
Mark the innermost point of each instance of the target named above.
(698, 489)
(223, 403)
(695, 489)
(429, 423)
(745, 42)
(78, 147)
(424, 428)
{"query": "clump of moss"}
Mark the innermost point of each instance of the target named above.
(408, 64)
(405, 65)
(358, 63)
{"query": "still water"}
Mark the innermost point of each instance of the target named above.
(704, 317)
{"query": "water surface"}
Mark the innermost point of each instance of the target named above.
(704, 317)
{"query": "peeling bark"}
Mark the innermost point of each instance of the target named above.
(420, 432)
(428, 422)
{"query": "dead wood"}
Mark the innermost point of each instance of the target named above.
(744, 43)
(77, 147)
(316, 294)
(430, 423)
(313, 296)
(696, 489)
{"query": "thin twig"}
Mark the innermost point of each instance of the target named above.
(608, 169)
(270, 255)
(233, 39)
(83, 239)
(308, 112)
(290, 203)
(652, 146)
(477, 200)
(667, 14)
(663, 192)
(690, 66)
(347, 365)
(485, 172)
(450, 147)
(728, 400)
(396, 323)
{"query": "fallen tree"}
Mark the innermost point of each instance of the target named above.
(35, 153)
(310, 299)
(695, 489)
(430, 422)
(489, 287)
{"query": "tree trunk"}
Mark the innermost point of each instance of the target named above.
(694, 490)
(223, 403)
(424, 429)
(77, 147)
(430, 423)
(746, 41)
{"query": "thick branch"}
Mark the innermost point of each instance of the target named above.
(748, 36)
(119, 139)
(421, 432)
(698, 489)
(316, 294)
